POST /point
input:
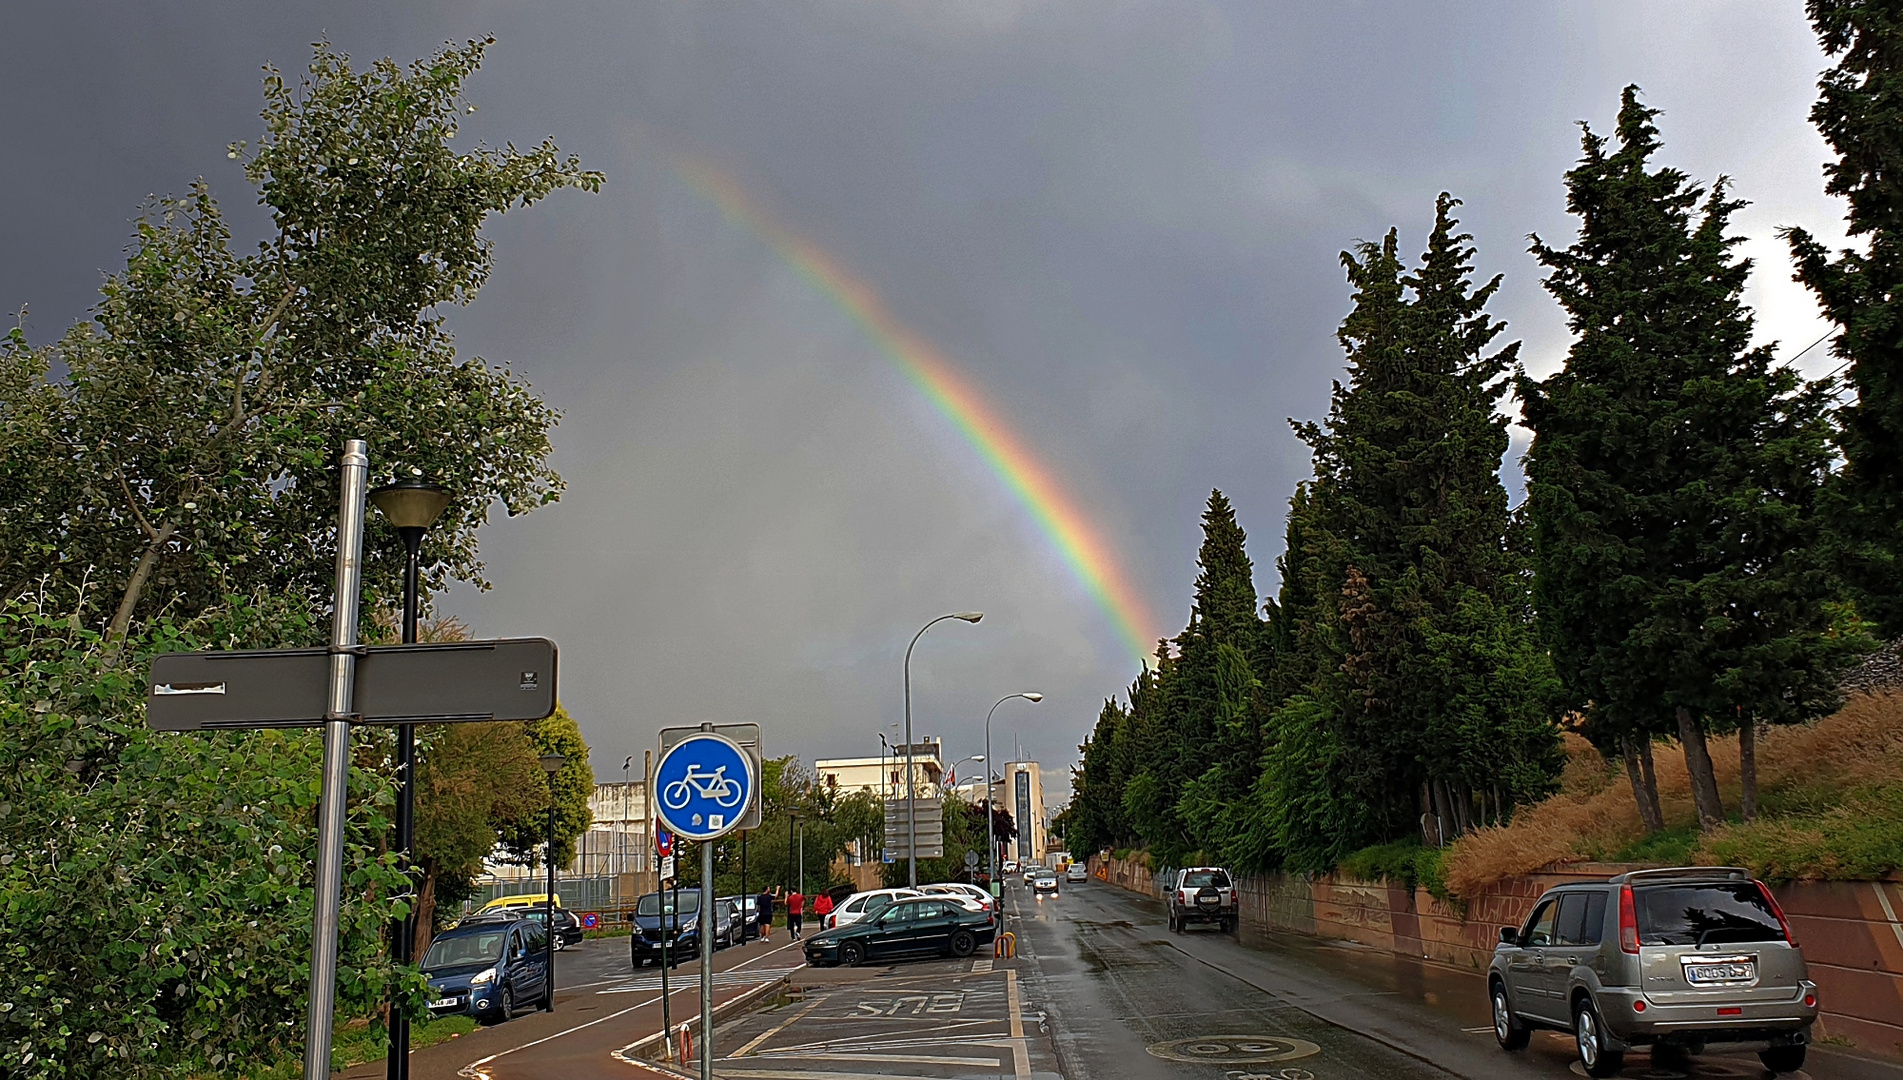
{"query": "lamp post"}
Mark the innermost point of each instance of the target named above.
(412, 506)
(991, 828)
(911, 787)
(551, 764)
(951, 774)
(621, 834)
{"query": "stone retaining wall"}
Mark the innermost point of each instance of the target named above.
(1851, 931)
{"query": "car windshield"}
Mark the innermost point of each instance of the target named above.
(651, 904)
(462, 950)
(1705, 914)
(1196, 879)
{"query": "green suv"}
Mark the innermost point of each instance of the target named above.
(1670, 959)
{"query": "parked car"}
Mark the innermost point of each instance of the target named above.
(519, 900)
(487, 969)
(904, 927)
(1202, 894)
(1672, 959)
(657, 914)
(568, 929)
(749, 925)
(1010, 866)
(859, 905)
(1042, 881)
(974, 893)
(1077, 872)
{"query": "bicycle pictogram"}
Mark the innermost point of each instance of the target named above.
(724, 790)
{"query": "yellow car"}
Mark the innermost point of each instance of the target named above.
(521, 900)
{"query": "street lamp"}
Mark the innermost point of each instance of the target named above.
(911, 788)
(551, 764)
(412, 506)
(951, 774)
(991, 829)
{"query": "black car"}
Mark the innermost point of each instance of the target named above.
(488, 968)
(677, 916)
(905, 928)
(568, 929)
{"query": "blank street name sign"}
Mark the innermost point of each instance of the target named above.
(506, 679)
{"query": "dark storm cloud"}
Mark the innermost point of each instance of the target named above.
(1121, 220)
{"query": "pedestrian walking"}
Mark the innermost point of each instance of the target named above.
(766, 913)
(822, 907)
(795, 912)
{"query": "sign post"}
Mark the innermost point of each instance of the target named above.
(337, 716)
(336, 687)
(708, 786)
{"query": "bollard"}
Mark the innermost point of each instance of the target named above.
(1006, 946)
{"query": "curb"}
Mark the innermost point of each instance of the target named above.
(628, 1055)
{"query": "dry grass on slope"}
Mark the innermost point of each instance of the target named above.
(1830, 796)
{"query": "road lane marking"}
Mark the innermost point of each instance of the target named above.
(475, 1069)
(1014, 1004)
(729, 977)
(776, 1029)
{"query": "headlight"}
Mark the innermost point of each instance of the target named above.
(483, 978)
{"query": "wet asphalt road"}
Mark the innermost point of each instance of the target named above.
(1125, 998)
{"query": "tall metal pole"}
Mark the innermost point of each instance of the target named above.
(746, 923)
(911, 788)
(327, 902)
(706, 960)
(548, 902)
(397, 1067)
(647, 816)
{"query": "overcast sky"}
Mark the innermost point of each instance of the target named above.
(1119, 220)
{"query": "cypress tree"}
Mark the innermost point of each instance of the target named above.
(1673, 476)
(1862, 292)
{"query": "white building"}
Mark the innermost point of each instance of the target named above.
(884, 776)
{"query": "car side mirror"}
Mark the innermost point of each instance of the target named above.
(1509, 935)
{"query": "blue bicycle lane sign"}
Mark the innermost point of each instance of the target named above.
(705, 783)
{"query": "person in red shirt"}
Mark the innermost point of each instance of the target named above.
(822, 907)
(795, 912)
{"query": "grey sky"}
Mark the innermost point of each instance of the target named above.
(1120, 220)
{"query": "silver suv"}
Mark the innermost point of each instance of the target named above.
(1671, 959)
(1201, 894)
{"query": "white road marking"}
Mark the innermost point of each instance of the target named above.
(476, 1070)
(776, 1029)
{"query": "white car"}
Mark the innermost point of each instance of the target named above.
(1077, 873)
(1010, 867)
(959, 889)
(860, 905)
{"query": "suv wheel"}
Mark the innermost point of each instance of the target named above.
(1595, 1052)
(1783, 1059)
(1507, 1029)
(508, 1004)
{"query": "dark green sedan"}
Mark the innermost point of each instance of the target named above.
(906, 928)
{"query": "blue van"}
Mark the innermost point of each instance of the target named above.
(488, 970)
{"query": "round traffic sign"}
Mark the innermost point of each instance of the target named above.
(705, 783)
(591, 921)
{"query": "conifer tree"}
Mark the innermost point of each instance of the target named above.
(1673, 476)
(1862, 292)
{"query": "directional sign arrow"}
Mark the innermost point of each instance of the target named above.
(506, 679)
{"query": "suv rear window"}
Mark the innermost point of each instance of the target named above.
(1705, 914)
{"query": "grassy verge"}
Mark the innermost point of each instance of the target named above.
(1404, 862)
(1830, 808)
(360, 1041)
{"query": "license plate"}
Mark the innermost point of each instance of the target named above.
(445, 1003)
(1706, 974)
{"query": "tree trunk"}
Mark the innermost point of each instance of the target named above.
(1443, 813)
(425, 925)
(1648, 810)
(135, 588)
(1463, 809)
(1711, 809)
(1651, 775)
(1428, 838)
(1748, 769)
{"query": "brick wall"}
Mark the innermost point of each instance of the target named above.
(1851, 931)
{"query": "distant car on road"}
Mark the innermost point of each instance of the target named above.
(1674, 959)
(905, 927)
(1010, 867)
(860, 905)
(1077, 872)
(1202, 894)
(1042, 881)
(488, 969)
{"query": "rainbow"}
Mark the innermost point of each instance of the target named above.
(1076, 539)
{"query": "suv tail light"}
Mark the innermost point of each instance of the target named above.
(1778, 911)
(1628, 921)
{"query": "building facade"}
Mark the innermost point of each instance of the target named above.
(884, 776)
